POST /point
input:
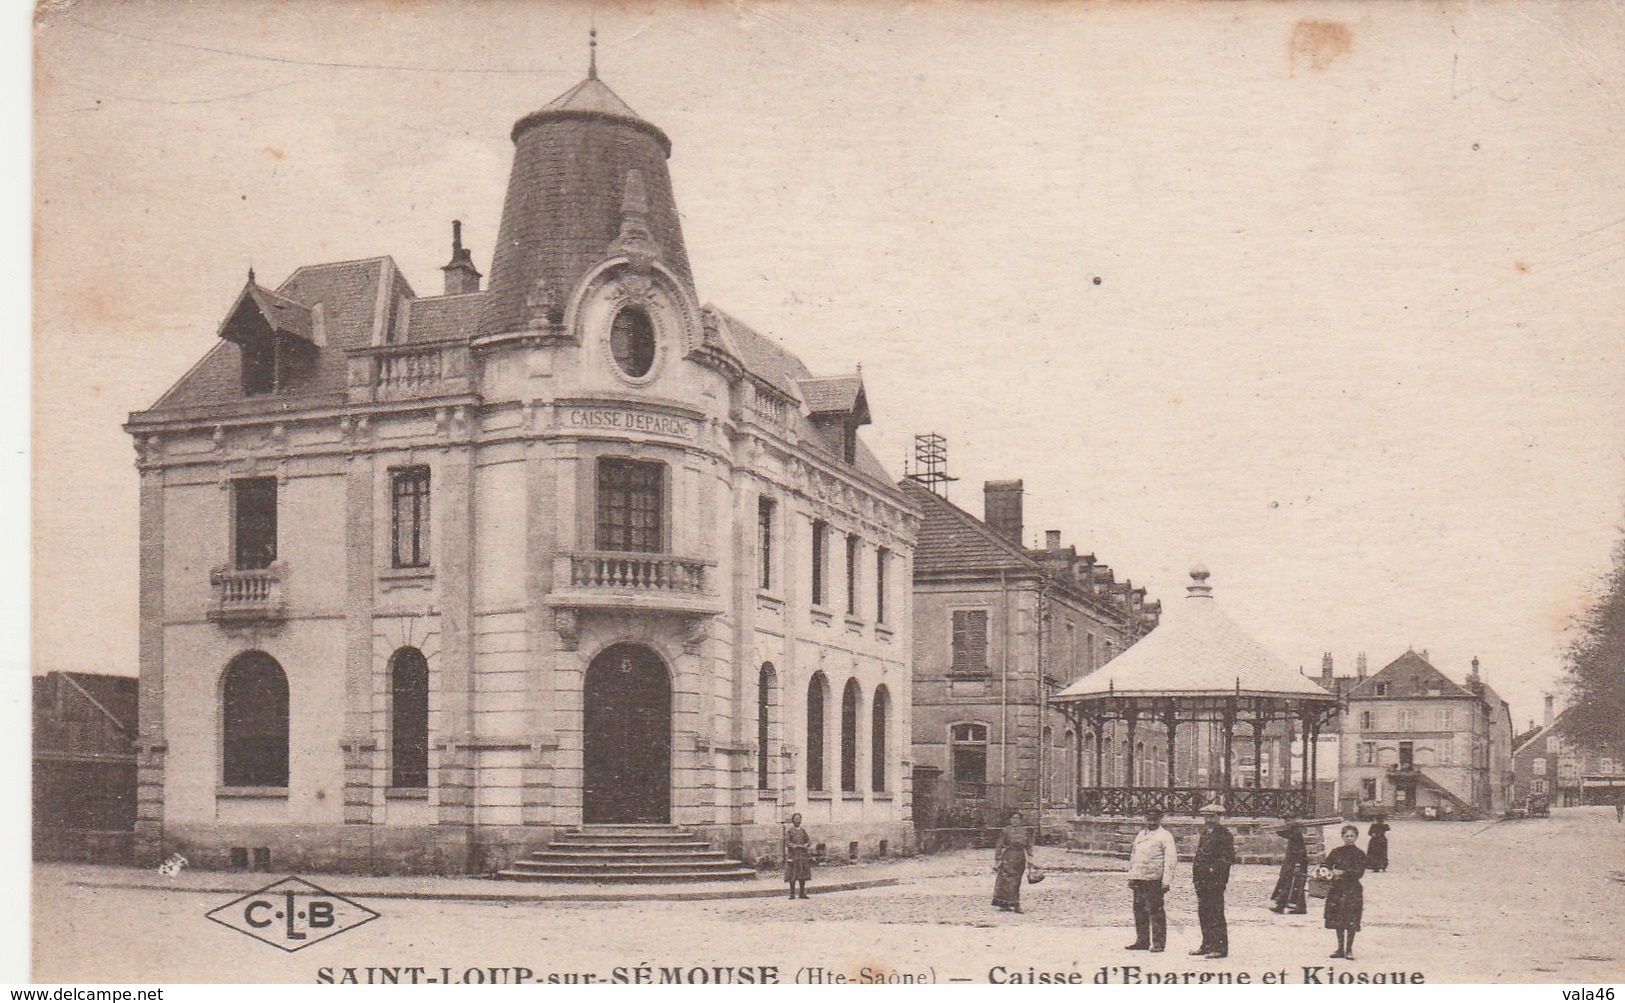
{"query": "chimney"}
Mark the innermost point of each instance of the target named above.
(1548, 718)
(1326, 666)
(1474, 674)
(1052, 539)
(1359, 665)
(461, 275)
(1001, 508)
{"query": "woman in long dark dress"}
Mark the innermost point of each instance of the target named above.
(797, 856)
(1010, 857)
(1376, 846)
(1345, 901)
(1289, 886)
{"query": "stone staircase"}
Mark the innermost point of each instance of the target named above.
(626, 854)
(1466, 811)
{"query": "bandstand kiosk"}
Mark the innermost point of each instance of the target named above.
(1226, 713)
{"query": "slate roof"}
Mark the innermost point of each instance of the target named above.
(442, 318)
(1410, 676)
(348, 292)
(1197, 650)
(952, 539)
(764, 358)
(563, 210)
(592, 95)
(832, 394)
(281, 314)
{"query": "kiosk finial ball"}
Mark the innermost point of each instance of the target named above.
(1199, 573)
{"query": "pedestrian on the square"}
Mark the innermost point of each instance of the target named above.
(1345, 900)
(1210, 871)
(1150, 873)
(1376, 846)
(1619, 808)
(1010, 858)
(797, 856)
(1288, 893)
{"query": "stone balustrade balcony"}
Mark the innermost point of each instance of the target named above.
(406, 371)
(634, 581)
(248, 594)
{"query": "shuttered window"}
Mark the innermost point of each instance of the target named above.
(820, 590)
(970, 640)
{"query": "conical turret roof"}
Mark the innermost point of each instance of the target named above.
(574, 160)
(1197, 650)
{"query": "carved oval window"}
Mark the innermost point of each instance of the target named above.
(632, 341)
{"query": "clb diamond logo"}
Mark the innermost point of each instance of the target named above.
(292, 914)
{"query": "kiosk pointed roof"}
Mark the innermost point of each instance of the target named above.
(1197, 650)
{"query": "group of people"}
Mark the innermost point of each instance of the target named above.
(1342, 870)
(1151, 873)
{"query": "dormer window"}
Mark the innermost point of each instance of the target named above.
(838, 407)
(259, 368)
(273, 334)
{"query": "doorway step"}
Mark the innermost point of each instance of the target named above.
(640, 853)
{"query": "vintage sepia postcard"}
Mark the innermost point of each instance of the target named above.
(468, 551)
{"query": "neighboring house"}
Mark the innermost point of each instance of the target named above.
(84, 766)
(1550, 766)
(1417, 743)
(997, 627)
(427, 580)
(1329, 746)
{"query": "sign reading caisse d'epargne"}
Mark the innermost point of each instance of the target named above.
(292, 914)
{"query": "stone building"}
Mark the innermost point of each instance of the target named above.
(1330, 740)
(998, 627)
(1551, 767)
(426, 580)
(1417, 743)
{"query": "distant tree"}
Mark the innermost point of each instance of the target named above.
(1596, 669)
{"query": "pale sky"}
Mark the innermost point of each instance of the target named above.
(1355, 343)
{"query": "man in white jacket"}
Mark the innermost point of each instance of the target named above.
(1150, 873)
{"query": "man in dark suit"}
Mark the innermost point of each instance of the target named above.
(1210, 870)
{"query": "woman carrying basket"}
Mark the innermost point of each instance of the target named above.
(1010, 862)
(1345, 900)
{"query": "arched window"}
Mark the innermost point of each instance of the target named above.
(408, 719)
(254, 693)
(1046, 781)
(1139, 766)
(967, 745)
(849, 736)
(817, 694)
(877, 738)
(1069, 771)
(764, 726)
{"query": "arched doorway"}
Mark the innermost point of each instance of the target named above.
(626, 748)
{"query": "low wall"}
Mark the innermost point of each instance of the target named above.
(763, 845)
(1257, 839)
